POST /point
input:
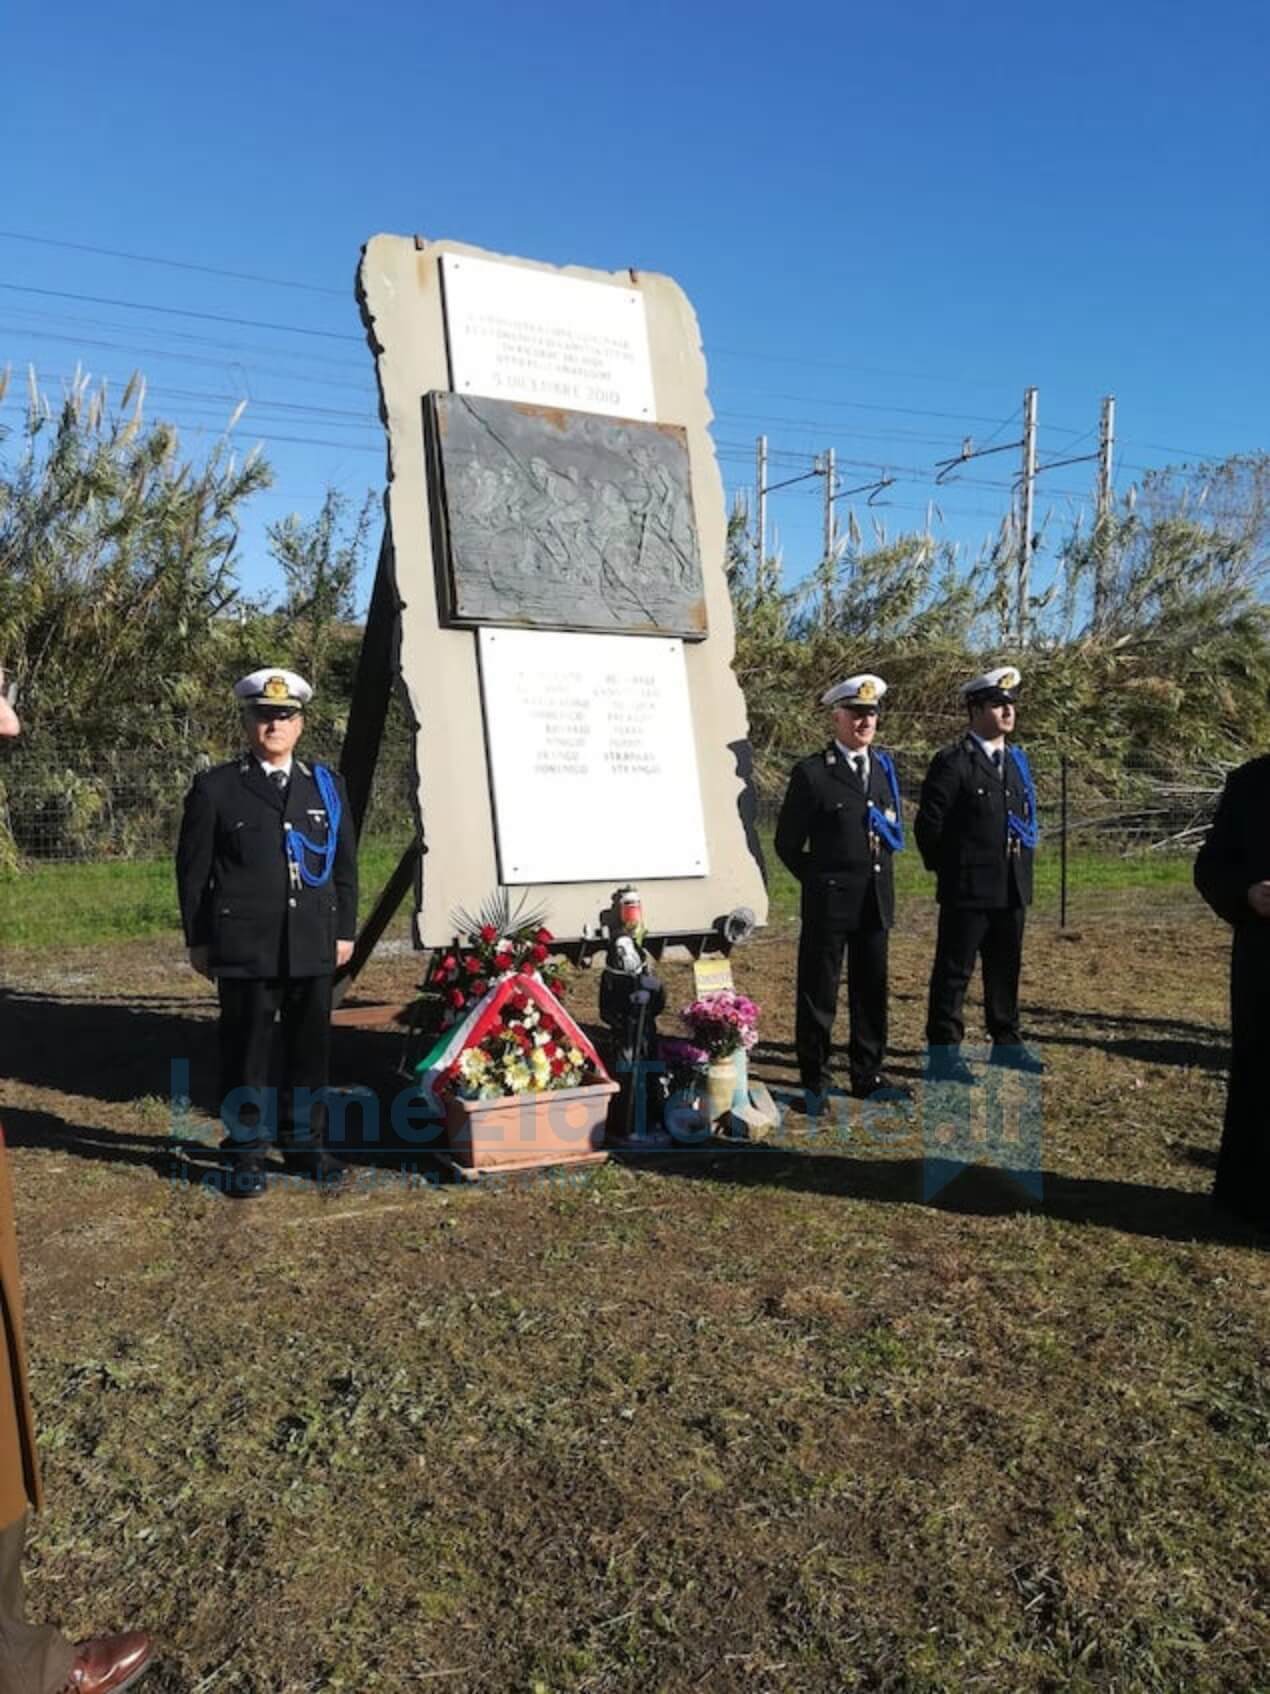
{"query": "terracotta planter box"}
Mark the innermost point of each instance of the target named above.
(554, 1127)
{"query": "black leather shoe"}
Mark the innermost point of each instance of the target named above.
(326, 1171)
(1014, 1056)
(879, 1088)
(950, 1067)
(808, 1103)
(246, 1181)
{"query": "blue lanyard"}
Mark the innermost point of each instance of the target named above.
(1026, 829)
(298, 844)
(890, 831)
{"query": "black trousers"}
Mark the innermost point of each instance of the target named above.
(252, 1114)
(1242, 1184)
(821, 946)
(965, 934)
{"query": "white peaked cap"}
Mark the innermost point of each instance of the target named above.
(273, 686)
(863, 690)
(1005, 677)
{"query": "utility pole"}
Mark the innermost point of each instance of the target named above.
(1027, 503)
(831, 517)
(760, 505)
(1102, 520)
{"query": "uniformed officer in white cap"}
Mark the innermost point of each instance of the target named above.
(838, 827)
(267, 878)
(976, 827)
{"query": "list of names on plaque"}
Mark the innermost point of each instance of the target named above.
(592, 760)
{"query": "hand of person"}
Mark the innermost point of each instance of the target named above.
(9, 724)
(343, 953)
(198, 961)
(1259, 899)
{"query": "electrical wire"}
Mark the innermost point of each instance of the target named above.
(173, 264)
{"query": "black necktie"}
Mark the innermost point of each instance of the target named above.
(857, 765)
(996, 760)
(279, 780)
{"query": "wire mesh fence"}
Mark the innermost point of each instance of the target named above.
(86, 838)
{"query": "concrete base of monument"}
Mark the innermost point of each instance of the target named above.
(559, 1126)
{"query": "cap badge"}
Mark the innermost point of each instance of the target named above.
(275, 688)
(867, 691)
(1008, 679)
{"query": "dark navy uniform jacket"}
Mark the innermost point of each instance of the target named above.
(232, 874)
(961, 829)
(823, 838)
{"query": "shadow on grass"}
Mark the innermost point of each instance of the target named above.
(23, 1128)
(1136, 1208)
(120, 1054)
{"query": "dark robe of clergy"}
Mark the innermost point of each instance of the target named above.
(1235, 855)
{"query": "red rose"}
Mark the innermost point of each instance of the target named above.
(488, 932)
(557, 1067)
(457, 997)
(479, 986)
(539, 952)
(556, 985)
(503, 961)
(523, 1038)
(438, 975)
(472, 965)
(550, 1049)
(543, 935)
(449, 962)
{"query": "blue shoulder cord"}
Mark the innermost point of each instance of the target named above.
(1025, 830)
(890, 832)
(298, 844)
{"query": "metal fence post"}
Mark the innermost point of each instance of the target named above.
(1062, 841)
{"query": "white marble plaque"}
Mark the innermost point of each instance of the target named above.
(551, 340)
(593, 763)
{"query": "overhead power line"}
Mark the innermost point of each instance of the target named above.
(182, 312)
(175, 264)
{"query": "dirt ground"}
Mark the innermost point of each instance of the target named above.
(777, 1419)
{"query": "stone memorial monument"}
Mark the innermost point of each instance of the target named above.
(551, 597)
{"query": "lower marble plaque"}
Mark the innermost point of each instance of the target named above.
(593, 763)
(563, 520)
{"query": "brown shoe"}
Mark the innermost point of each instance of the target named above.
(108, 1663)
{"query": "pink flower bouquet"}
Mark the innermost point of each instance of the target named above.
(722, 1023)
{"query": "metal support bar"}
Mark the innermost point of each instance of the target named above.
(372, 689)
(395, 891)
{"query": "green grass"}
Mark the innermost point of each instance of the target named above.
(1088, 872)
(737, 1422)
(53, 905)
(56, 905)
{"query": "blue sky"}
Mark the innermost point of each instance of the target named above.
(890, 219)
